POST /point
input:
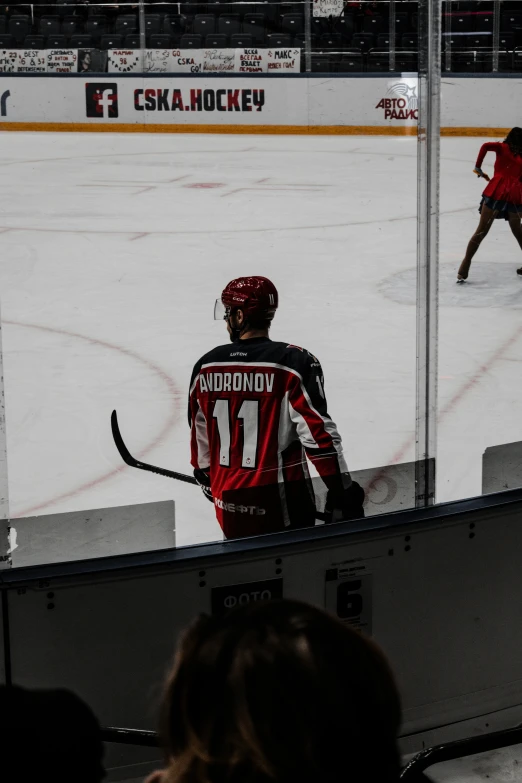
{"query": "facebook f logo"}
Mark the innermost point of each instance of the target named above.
(101, 99)
(3, 103)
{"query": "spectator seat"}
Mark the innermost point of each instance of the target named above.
(240, 41)
(111, 41)
(50, 26)
(280, 40)
(132, 41)
(293, 25)
(125, 24)
(204, 25)
(254, 25)
(34, 42)
(320, 65)
(190, 42)
(81, 41)
(56, 42)
(363, 41)
(19, 27)
(160, 41)
(350, 62)
(229, 24)
(152, 24)
(216, 41)
(373, 24)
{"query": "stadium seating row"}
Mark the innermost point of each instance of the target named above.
(467, 26)
(375, 62)
(19, 25)
(203, 24)
(159, 41)
(337, 35)
(354, 41)
(481, 21)
(333, 41)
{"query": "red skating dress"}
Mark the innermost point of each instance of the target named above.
(504, 193)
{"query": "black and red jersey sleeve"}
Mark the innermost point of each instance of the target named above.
(316, 430)
(199, 445)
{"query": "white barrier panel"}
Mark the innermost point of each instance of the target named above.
(360, 104)
(217, 101)
(363, 101)
(103, 532)
(502, 468)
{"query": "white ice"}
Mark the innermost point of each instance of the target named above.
(114, 248)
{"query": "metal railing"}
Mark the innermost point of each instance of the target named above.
(139, 737)
(413, 772)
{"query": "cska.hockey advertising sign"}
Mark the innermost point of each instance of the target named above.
(158, 99)
(400, 103)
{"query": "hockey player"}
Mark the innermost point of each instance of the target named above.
(256, 407)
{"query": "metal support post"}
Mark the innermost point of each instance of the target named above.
(308, 34)
(391, 33)
(143, 43)
(427, 246)
(496, 34)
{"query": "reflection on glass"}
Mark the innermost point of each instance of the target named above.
(158, 224)
(502, 196)
(480, 246)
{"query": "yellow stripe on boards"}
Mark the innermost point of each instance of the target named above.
(493, 132)
(118, 127)
(304, 130)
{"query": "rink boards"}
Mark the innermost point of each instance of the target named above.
(439, 589)
(249, 103)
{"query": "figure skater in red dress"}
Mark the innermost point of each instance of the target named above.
(502, 197)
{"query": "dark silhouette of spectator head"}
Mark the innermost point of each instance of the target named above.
(279, 691)
(49, 735)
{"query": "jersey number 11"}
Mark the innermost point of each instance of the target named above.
(248, 412)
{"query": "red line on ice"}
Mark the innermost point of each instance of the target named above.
(479, 373)
(173, 392)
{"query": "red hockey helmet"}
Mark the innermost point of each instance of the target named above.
(256, 296)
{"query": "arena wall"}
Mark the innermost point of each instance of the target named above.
(253, 104)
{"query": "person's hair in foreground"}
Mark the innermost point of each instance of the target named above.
(49, 736)
(279, 691)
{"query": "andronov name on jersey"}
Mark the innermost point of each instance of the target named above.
(236, 381)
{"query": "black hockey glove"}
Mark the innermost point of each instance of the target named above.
(345, 504)
(203, 479)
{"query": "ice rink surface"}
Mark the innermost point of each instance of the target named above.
(114, 248)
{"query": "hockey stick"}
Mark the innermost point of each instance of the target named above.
(136, 463)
